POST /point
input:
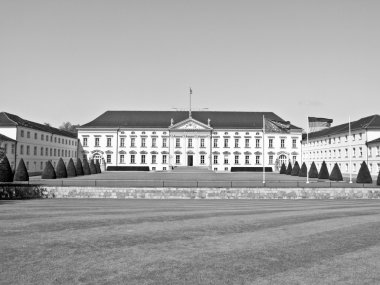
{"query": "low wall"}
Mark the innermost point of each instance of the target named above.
(213, 193)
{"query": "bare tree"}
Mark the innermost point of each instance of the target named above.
(67, 126)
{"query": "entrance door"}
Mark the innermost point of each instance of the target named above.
(189, 160)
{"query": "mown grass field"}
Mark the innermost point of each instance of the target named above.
(189, 242)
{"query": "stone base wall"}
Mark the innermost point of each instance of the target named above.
(213, 193)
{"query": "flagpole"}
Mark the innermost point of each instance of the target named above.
(307, 151)
(263, 149)
(350, 146)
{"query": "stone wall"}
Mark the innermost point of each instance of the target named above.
(213, 193)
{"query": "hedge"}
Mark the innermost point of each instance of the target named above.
(21, 173)
(71, 171)
(49, 172)
(97, 166)
(324, 172)
(289, 169)
(296, 169)
(336, 175)
(313, 172)
(61, 169)
(92, 167)
(249, 169)
(283, 169)
(6, 174)
(378, 179)
(364, 176)
(79, 168)
(303, 170)
(86, 167)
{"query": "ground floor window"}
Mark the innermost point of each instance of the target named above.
(225, 160)
(121, 158)
(153, 158)
(236, 159)
(294, 159)
(164, 159)
(202, 159)
(108, 158)
(247, 159)
(142, 158)
(215, 159)
(133, 159)
(41, 165)
(177, 159)
(271, 159)
(257, 159)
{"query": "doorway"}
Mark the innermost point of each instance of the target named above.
(189, 160)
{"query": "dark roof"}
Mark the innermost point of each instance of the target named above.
(7, 119)
(161, 119)
(374, 141)
(5, 138)
(371, 122)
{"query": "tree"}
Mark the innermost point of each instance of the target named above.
(92, 167)
(303, 170)
(71, 171)
(79, 168)
(295, 170)
(336, 175)
(49, 172)
(313, 172)
(61, 169)
(6, 174)
(67, 126)
(86, 167)
(323, 172)
(97, 166)
(21, 173)
(364, 176)
(289, 169)
(283, 169)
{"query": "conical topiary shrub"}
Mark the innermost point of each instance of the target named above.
(97, 166)
(86, 167)
(6, 174)
(289, 169)
(49, 172)
(92, 167)
(283, 169)
(60, 170)
(324, 172)
(296, 169)
(378, 179)
(336, 175)
(21, 173)
(313, 172)
(71, 172)
(303, 170)
(364, 176)
(79, 168)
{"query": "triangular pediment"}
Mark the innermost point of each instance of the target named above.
(191, 125)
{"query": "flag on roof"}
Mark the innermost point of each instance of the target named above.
(317, 124)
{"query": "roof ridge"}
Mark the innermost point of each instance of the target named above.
(6, 114)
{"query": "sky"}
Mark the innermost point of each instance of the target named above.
(72, 60)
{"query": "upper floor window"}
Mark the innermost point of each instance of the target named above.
(215, 142)
(177, 142)
(35, 136)
(122, 142)
(236, 142)
(28, 135)
(84, 141)
(133, 142)
(42, 137)
(27, 150)
(190, 143)
(164, 142)
(246, 142)
(22, 133)
(154, 142)
(294, 143)
(108, 141)
(270, 143)
(360, 136)
(282, 143)
(96, 141)
(225, 142)
(21, 149)
(257, 143)
(143, 142)
(202, 142)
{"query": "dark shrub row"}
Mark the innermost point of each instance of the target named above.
(72, 170)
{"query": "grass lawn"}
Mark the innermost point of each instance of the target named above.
(63, 241)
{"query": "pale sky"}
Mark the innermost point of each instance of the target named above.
(72, 60)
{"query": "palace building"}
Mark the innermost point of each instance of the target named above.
(335, 145)
(162, 140)
(35, 143)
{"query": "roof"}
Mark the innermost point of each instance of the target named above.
(7, 119)
(162, 119)
(371, 122)
(374, 141)
(5, 138)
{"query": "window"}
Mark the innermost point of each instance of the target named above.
(122, 142)
(22, 133)
(354, 167)
(21, 149)
(27, 150)
(35, 136)
(177, 159)
(246, 142)
(215, 142)
(353, 137)
(164, 159)
(46, 151)
(294, 143)
(133, 142)
(133, 159)
(28, 135)
(177, 142)
(225, 142)
(154, 142)
(360, 151)
(271, 159)
(339, 153)
(164, 142)
(294, 159)
(378, 151)
(360, 136)
(257, 159)
(154, 159)
(41, 165)
(215, 159)
(369, 151)
(108, 158)
(202, 142)
(346, 152)
(270, 143)
(247, 159)
(142, 158)
(143, 141)
(282, 143)
(96, 141)
(121, 158)
(236, 159)
(59, 140)
(190, 143)
(59, 152)
(236, 142)
(202, 159)
(55, 152)
(51, 152)
(108, 142)
(84, 141)
(12, 148)
(257, 143)
(226, 160)
(353, 152)
(42, 137)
